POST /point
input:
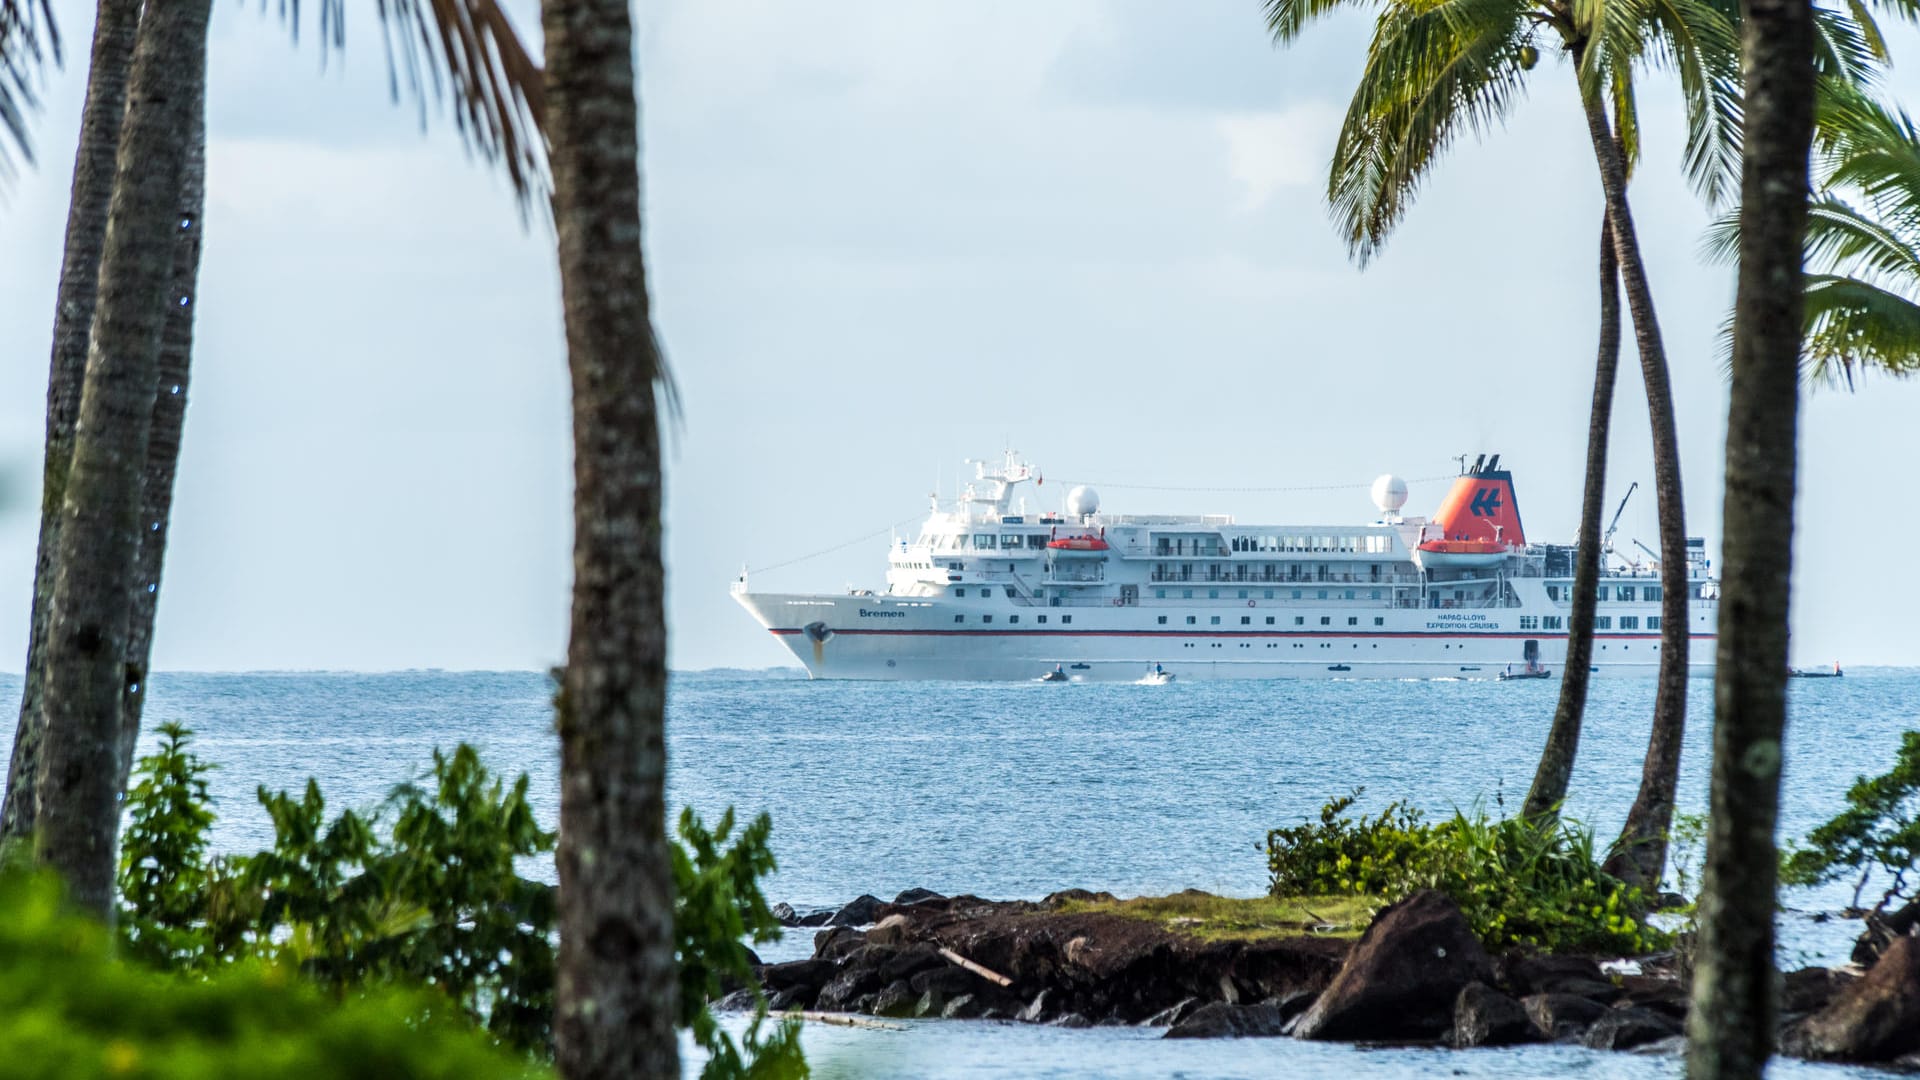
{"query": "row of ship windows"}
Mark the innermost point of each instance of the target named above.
(1600, 622)
(1527, 622)
(1268, 594)
(1622, 593)
(1193, 620)
(1329, 645)
(1375, 544)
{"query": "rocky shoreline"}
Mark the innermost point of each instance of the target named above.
(1416, 975)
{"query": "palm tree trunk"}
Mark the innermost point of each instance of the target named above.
(106, 104)
(1555, 772)
(78, 814)
(1641, 852)
(617, 993)
(1731, 1024)
(169, 418)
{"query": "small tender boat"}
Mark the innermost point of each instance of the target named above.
(1539, 673)
(1056, 675)
(1078, 543)
(1810, 673)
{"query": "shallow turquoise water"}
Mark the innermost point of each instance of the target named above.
(1015, 790)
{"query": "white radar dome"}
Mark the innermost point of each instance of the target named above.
(1389, 494)
(1082, 501)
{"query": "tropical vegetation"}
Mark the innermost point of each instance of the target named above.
(423, 893)
(1436, 70)
(70, 1011)
(1862, 309)
(1875, 837)
(1518, 884)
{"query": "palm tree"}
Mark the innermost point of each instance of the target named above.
(175, 364)
(497, 94)
(1731, 1024)
(1863, 229)
(1437, 67)
(106, 102)
(1555, 771)
(616, 981)
(99, 544)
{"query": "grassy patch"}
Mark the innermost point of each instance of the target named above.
(1202, 915)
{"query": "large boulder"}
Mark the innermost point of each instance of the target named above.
(1562, 1016)
(1402, 977)
(812, 974)
(1811, 989)
(1624, 1029)
(1876, 1018)
(837, 941)
(916, 896)
(1524, 976)
(1219, 1020)
(861, 911)
(1483, 1016)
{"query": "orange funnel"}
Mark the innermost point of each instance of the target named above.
(1481, 507)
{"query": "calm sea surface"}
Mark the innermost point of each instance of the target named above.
(1016, 790)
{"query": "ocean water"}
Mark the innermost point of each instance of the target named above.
(1016, 790)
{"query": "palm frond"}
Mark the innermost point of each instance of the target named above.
(1626, 118)
(1434, 69)
(1287, 18)
(1871, 150)
(29, 39)
(1721, 244)
(1699, 40)
(468, 51)
(1847, 45)
(1854, 326)
(1842, 240)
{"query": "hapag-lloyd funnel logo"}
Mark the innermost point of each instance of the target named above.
(1486, 502)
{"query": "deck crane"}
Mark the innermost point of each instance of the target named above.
(1606, 542)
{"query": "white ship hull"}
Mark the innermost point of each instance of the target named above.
(917, 640)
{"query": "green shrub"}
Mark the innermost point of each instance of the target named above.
(1518, 884)
(69, 1011)
(716, 903)
(431, 899)
(1877, 832)
(423, 893)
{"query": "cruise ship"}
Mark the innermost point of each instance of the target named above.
(988, 591)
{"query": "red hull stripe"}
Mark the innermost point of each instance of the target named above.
(1036, 632)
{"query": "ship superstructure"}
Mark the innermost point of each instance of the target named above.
(988, 591)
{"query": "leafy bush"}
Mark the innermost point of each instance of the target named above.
(1879, 830)
(424, 893)
(431, 900)
(717, 902)
(1519, 884)
(69, 1011)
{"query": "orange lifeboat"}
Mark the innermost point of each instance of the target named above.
(1078, 543)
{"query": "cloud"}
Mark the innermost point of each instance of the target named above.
(1271, 151)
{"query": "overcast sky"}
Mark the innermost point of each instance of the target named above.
(883, 237)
